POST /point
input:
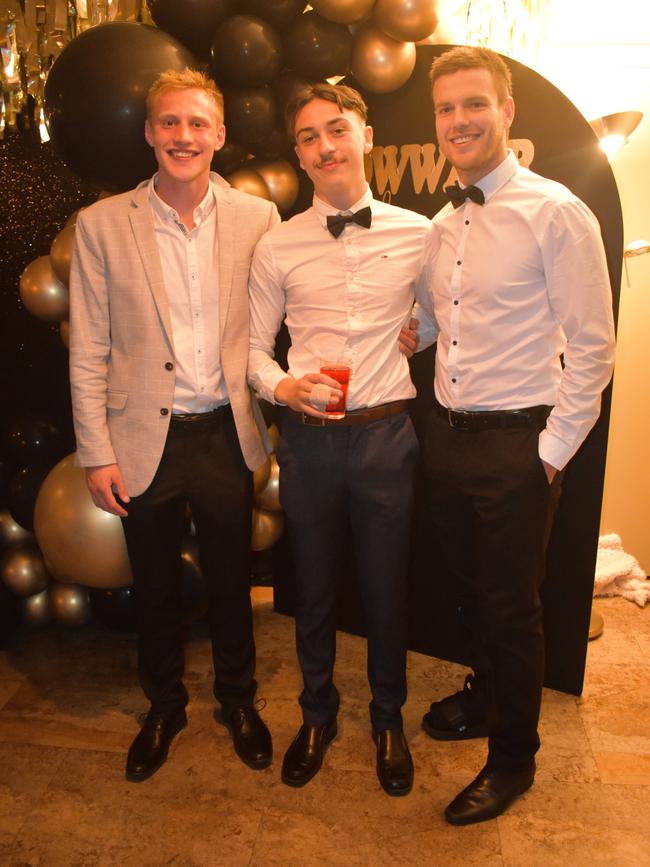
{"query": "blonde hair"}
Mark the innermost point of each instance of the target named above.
(186, 79)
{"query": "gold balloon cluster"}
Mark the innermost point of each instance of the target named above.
(276, 181)
(383, 51)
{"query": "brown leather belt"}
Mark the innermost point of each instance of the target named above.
(211, 417)
(492, 420)
(353, 416)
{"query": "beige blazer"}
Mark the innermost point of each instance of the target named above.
(121, 341)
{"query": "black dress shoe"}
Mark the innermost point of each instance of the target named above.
(460, 716)
(250, 736)
(394, 763)
(148, 752)
(489, 794)
(303, 759)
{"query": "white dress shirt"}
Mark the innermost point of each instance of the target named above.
(345, 297)
(516, 283)
(190, 266)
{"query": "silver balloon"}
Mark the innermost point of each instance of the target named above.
(406, 20)
(343, 11)
(61, 253)
(42, 292)
(22, 569)
(70, 604)
(12, 533)
(37, 610)
(379, 63)
(81, 543)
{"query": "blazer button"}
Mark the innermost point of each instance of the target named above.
(169, 365)
(164, 411)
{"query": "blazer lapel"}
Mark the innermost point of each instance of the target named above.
(145, 239)
(226, 241)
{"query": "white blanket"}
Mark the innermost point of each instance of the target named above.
(619, 573)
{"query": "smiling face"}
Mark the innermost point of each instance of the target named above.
(185, 129)
(471, 123)
(330, 144)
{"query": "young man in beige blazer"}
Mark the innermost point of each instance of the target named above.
(163, 415)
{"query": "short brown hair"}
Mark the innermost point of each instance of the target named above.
(346, 98)
(469, 57)
(186, 79)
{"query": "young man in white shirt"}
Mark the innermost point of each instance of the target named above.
(345, 273)
(163, 415)
(519, 279)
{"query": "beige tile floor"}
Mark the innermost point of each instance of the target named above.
(68, 709)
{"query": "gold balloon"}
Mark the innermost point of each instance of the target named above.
(379, 63)
(72, 219)
(261, 476)
(23, 570)
(42, 292)
(70, 604)
(249, 181)
(282, 183)
(267, 529)
(64, 333)
(406, 20)
(61, 253)
(343, 11)
(81, 543)
(11, 533)
(36, 608)
(269, 497)
(274, 436)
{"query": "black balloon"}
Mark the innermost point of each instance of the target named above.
(9, 614)
(114, 608)
(7, 470)
(229, 158)
(192, 21)
(274, 145)
(278, 12)
(32, 439)
(246, 52)
(23, 490)
(285, 88)
(318, 48)
(95, 100)
(250, 114)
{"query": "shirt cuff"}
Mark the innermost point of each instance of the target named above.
(555, 451)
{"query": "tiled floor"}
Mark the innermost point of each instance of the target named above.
(68, 708)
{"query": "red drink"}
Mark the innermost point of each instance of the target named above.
(341, 373)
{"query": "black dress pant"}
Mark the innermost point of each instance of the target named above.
(336, 480)
(492, 506)
(202, 466)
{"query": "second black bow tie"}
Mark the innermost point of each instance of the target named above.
(336, 222)
(457, 194)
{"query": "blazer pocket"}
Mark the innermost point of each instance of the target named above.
(116, 399)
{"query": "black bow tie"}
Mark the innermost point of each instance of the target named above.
(457, 195)
(336, 223)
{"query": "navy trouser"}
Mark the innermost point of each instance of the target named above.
(358, 479)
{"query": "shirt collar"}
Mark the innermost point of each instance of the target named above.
(324, 209)
(166, 212)
(497, 178)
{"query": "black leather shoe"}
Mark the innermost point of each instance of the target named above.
(148, 752)
(460, 716)
(250, 736)
(303, 759)
(489, 794)
(394, 763)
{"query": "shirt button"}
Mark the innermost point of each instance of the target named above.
(467, 222)
(458, 262)
(453, 379)
(164, 411)
(169, 365)
(456, 302)
(454, 343)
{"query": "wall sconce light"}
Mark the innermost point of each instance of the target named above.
(613, 130)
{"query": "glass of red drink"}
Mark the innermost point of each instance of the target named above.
(340, 371)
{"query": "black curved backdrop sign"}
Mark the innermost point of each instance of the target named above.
(552, 138)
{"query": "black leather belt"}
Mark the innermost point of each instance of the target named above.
(354, 416)
(188, 418)
(491, 420)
